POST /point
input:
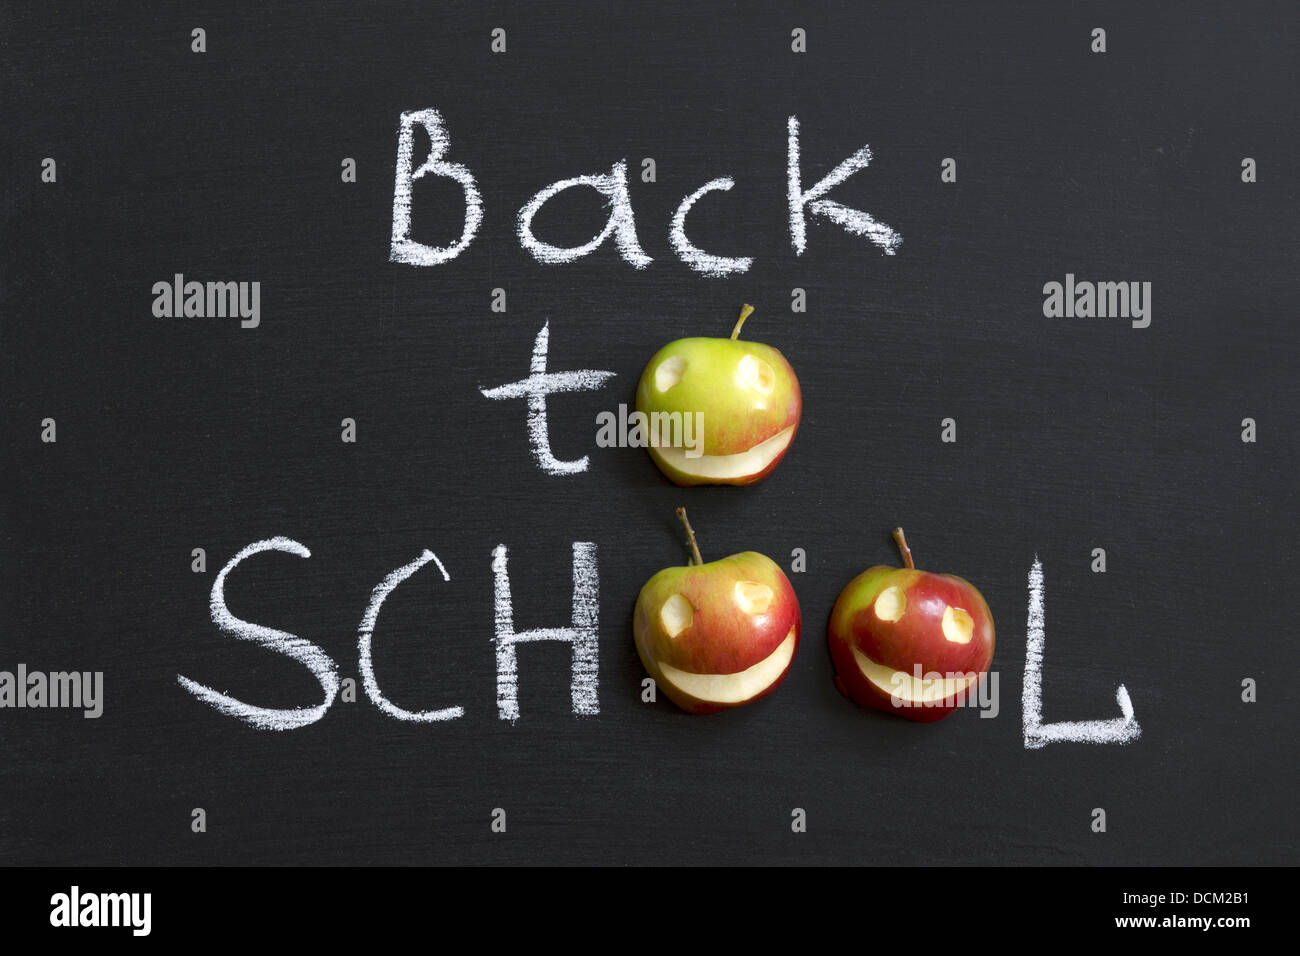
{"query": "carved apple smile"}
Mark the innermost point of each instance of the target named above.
(733, 688)
(907, 686)
(719, 467)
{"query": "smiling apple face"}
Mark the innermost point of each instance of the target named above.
(717, 635)
(747, 394)
(890, 623)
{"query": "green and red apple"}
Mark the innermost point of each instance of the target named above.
(717, 635)
(749, 398)
(910, 642)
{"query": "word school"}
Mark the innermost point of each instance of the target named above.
(70, 689)
(620, 224)
(580, 639)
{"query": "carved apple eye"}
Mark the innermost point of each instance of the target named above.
(676, 615)
(756, 374)
(753, 597)
(957, 625)
(890, 604)
(669, 372)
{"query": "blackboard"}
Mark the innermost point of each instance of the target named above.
(1072, 433)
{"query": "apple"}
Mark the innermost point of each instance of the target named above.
(748, 397)
(910, 642)
(718, 635)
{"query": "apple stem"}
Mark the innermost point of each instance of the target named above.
(690, 534)
(745, 313)
(902, 547)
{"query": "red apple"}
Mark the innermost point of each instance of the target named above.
(910, 642)
(718, 635)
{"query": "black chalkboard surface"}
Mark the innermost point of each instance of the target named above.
(1012, 146)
